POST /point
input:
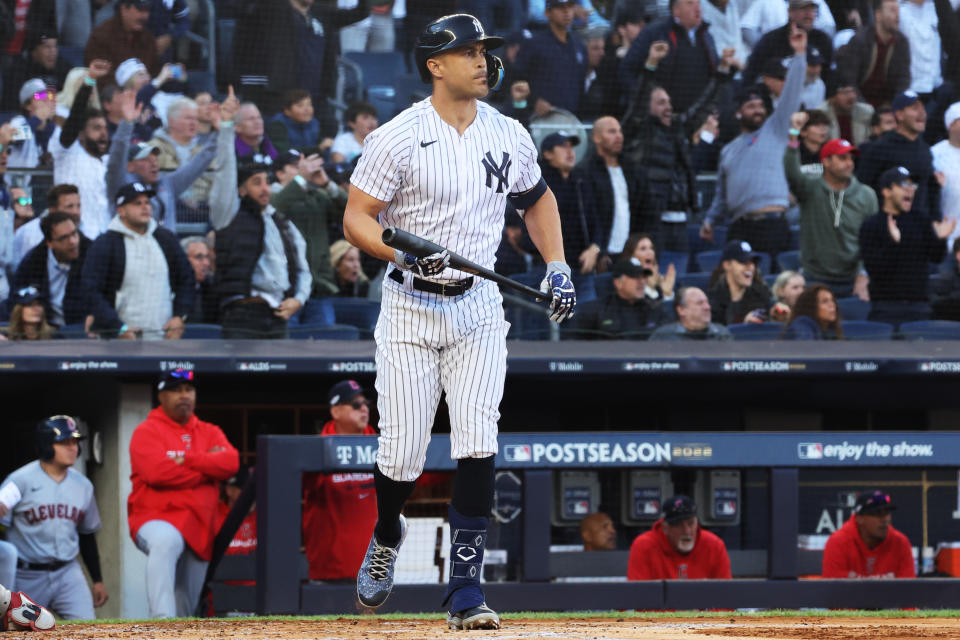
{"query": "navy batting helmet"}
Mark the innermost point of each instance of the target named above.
(55, 429)
(450, 32)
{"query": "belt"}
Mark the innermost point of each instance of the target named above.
(39, 566)
(250, 300)
(754, 216)
(444, 289)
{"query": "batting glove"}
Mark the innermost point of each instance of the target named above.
(431, 265)
(557, 282)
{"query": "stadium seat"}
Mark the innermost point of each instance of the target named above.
(77, 332)
(865, 330)
(324, 332)
(698, 244)
(356, 312)
(380, 69)
(930, 330)
(202, 332)
(603, 285)
(769, 279)
(526, 324)
(677, 259)
(751, 331)
(707, 261)
(701, 280)
(853, 308)
(408, 89)
(789, 261)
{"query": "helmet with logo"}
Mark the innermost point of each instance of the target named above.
(59, 428)
(450, 32)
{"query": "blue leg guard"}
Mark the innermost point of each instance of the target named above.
(468, 539)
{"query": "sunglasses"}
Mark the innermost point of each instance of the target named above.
(27, 291)
(359, 404)
(23, 202)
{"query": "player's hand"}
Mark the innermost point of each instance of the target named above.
(557, 282)
(287, 308)
(431, 265)
(100, 595)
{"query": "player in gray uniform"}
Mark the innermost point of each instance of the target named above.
(444, 169)
(52, 516)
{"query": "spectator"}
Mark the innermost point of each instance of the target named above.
(946, 298)
(113, 99)
(600, 85)
(251, 144)
(340, 510)
(61, 197)
(345, 259)
(140, 281)
(598, 533)
(41, 60)
(833, 207)
(37, 108)
(55, 268)
(176, 463)
(751, 188)
(849, 118)
(295, 127)
(204, 296)
(205, 108)
(124, 36)
(919, 26)
(946, 161)
(79, 154)
(737, 294)
(676, 547)
(625, 313)
(177, 144)
(244, 541)
(772, 77)
(814, 88)
(554, 61)
(689, 63)
(262, 275)
(867, 545)
(883, 120)
(28, 320)
(575, 200)
(722, 18)
(284, 169)
(6, 214)
(617, 188)
(878, 56)
(904, 147)
(641, 248)
(48, 543)
(169, 21)
(22, 206)
(778, 44)
(764, 16)
(361, 119)
(787, 288)
(814, 316)
(693, 312)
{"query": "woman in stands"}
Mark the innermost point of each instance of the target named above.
(351, 279)
(641, 248)
(28, 320)
(786, 289)
(815, 316)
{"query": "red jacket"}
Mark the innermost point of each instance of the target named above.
(340, 510)
(846, 555)
(185, 495)
(652, 557)
(245, 539)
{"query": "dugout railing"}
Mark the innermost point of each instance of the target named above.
(283, 459)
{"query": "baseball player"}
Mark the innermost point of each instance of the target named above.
(868, 546)
(444, 169)
(19, 613)
(52, 517)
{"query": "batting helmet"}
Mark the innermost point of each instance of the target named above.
(55, 429)
(450, 32)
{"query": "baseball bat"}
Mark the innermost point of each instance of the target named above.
(421, 247)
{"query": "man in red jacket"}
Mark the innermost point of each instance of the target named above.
(177, 462)
(868, 546)
(677, 548)
(340, 509)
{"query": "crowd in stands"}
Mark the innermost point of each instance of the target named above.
(729, 163)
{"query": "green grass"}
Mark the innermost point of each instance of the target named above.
(554, 615)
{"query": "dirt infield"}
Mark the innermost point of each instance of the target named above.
(577, 628)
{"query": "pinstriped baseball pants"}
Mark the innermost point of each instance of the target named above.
(428, 344)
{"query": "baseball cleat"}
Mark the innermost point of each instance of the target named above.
(481, 617)
(375, 578)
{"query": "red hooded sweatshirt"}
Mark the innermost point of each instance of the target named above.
(652, 557)
(185, 495)
(846, 555)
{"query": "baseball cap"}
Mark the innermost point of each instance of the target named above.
(679, 508)
(139, 4)
(25, 295)
(814, 56)
(775, 68)
(873, 501)
(141, 150)
(127, 69)
(896, 175)
(836, 147)
(519, 37)
(292, 156)
(629, 267)
(800, 4)
(952, 113)
(30, 87)
(739, 250)
(175, 377)
(629, 15)
(343, 392)
(557, 3)
(904, 100)
(247, 169)
(132, 191)
(748, 94)
(558, 138)
(36, 37)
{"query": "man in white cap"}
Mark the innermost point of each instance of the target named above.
(946, 162)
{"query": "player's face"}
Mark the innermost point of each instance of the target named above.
(464, 71)
(179, 402)
(839, 166)
(874, 526)
(682, 535)
(257, 188)
(65, 453)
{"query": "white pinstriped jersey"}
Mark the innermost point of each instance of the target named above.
(445, 187)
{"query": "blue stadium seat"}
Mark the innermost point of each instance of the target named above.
(865, 330)
(380, 69)
(356, 312)
(698, 244)
(324, 332)
(408, 89)
(930, 330)
(789, 261)
(707, 261)
(202, 332)
(751, 331)
(603, 285)
(526, 324)
(853, 308)
(76, 332)
(72, 54)
(769, 279)
(701, 280)
(677, 259)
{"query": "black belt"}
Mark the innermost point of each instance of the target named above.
(38, 566)
(457, 288)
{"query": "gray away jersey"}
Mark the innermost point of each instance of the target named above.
(46, 522)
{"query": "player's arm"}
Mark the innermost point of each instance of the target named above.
(91, 558)
(543, 225)
(361, 227)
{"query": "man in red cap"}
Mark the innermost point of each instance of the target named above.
(677, 548)
(832, 208)
(868, 546)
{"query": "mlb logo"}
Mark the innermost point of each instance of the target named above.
(726, 508)
(517, 453)
(581, 507)
(810, 451)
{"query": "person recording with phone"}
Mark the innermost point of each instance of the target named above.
(737, 292)
(33, 126)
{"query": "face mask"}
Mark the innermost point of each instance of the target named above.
(520, 105)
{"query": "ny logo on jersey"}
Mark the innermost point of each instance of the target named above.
(497, 171)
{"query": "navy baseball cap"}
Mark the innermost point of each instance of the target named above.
(814, 56)
(739, 250)
(749, 94)
(557, 138)
(679, 508)
(904, 100)
(629, 267)
(26, 295)
(285, 159)
(558, 3)
(248, 169)
(133, 190)
(343, 392)
(775, 68)
(896, 175)
(872, 502)
(175, 377)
